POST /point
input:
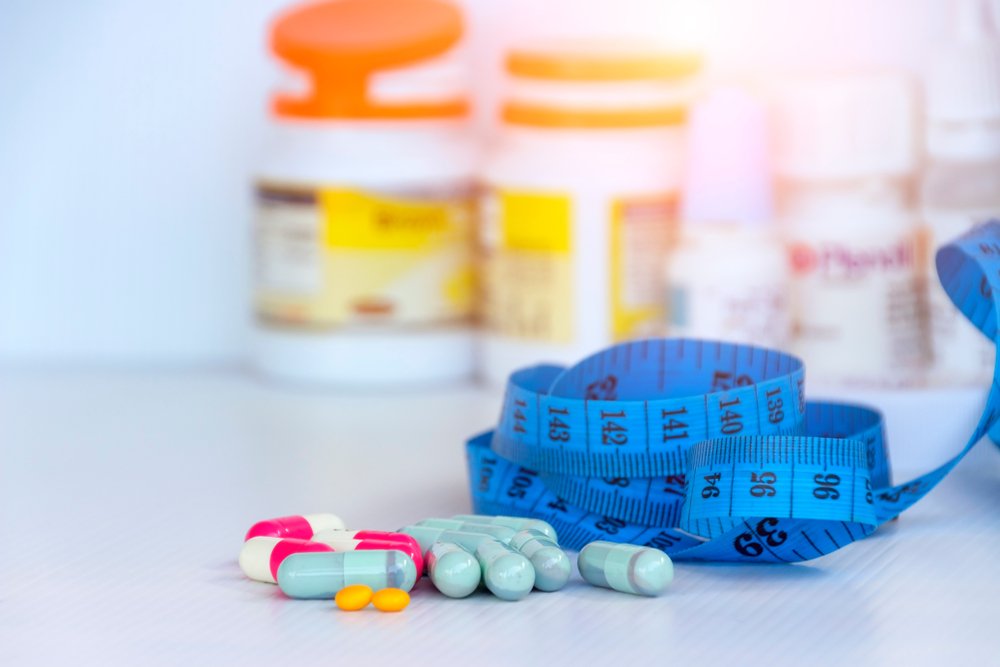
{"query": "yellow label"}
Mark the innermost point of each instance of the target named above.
(528, 272)
(334, 256)
(640, 235)
(364, 221)
(535, 222)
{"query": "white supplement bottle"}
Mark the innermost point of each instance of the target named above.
(961, 185)
(728, 277)
(580, 196)
(845, 162)
(364, 232)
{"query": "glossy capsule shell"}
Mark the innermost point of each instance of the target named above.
(506, 573)
(426, 536)
(552, 566)
(301, 527)
(361, 540)
(391, 599)
(323, 575)
(260, 557)
(354, 598)
(453, 570)
(501, 533)
(626, 567)
(516, 523)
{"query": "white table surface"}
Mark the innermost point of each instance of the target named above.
(124, 497)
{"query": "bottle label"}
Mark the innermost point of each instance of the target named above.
(749, 310)
(863, 296)
(641, 232)
(329, 257)
(528, 265)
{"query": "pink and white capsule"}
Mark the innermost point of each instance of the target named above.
(261, 556)
(356, 540)
(301, 527)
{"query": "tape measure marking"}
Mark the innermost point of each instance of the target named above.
(602, 449)
(580, 425)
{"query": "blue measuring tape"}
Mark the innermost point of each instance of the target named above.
(709, 450)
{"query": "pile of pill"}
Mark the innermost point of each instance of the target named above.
(315, 557)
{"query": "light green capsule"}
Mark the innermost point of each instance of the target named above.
(501, 533)
(453, 570)
(515, 522)
(322, 574)
(626, 567)
(552, 565)
(426, 536)
(507, 573)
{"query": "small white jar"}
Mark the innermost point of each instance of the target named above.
(728, 276)
(846, 156)
(580, 199)
(364, 233)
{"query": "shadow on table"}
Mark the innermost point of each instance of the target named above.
(759, 572)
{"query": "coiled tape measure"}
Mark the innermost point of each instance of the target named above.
(709, 450)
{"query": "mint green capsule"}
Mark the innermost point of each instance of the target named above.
(552, 565)
(426, 536)
(626, 567)
(507, 573)
(453, 570)
(515, 522)
(322, 574)
(501, 533)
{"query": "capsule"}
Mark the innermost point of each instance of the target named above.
(301, 527)
(517, 523)
(453, 570)
(552, 565)
(626, 567)
(320, 575)
(360, 540)
(501, 533)
(507, 573)
(426, 536)
(509, 568)
(260, 557)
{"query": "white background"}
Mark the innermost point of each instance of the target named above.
(128, 131)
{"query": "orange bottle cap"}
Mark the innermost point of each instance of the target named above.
(601, 62)
(341, 44)
(595, 66)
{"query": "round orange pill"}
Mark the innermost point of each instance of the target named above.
(391, 599)
(354, 598)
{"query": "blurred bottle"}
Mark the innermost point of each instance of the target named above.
(845, 160)
(364, 267)
(961, 184)
(581, 192)
(728, 278)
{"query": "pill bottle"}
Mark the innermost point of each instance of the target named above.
(727, 279)
(961, 183)
(580, 195)
(845, 160)
(364, 229)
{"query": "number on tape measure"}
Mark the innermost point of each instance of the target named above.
(521, 483)
(826, 486)
(558, 429)
(613, 432)
(711, 490)
(673, 426)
